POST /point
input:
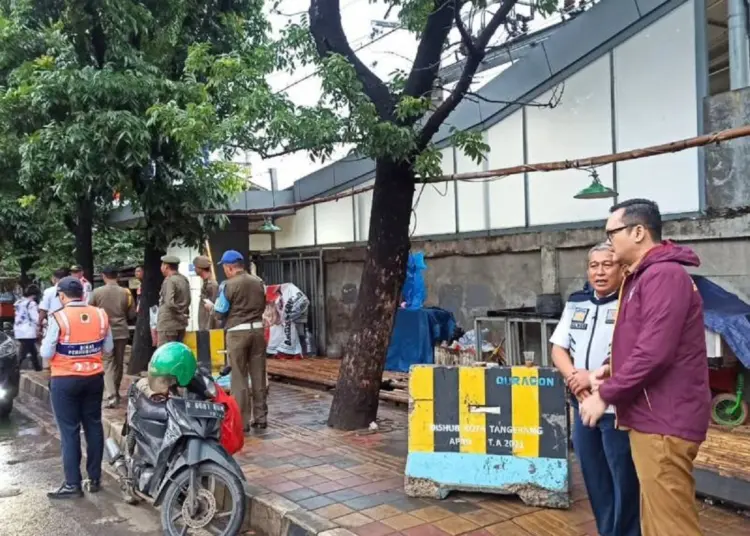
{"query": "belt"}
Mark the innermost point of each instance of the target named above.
(246, 326)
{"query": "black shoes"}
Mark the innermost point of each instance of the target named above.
(255, 426)
(66, 492)
(75, 492)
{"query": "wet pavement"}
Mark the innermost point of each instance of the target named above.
(30, 466)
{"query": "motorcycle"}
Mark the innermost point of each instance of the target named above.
(174, 459)
(10, 374)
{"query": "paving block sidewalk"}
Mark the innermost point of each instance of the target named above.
(306, 478)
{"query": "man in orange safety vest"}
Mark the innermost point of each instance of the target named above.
(77, 336)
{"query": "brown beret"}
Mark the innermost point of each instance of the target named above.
(202, 262)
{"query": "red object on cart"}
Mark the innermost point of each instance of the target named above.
(723, 380)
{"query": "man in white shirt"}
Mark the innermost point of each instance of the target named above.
(50, 302)
(77, 272)
(581, 343)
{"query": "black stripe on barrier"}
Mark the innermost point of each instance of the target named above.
(499, 427)
(445, 419)
(203, 346)
(553, 442)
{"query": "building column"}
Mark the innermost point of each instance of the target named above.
(739, 45)
(550, 271)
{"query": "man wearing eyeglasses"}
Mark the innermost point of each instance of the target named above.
(657, 376)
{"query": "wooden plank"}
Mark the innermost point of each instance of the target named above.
(726, 452)
(325, 371)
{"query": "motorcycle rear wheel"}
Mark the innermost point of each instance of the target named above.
(175, 495)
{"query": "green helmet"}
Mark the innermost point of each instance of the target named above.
(173, 359)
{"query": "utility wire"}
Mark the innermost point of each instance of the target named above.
(361, 47)
(496, 174)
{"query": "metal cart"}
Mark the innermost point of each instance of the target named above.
(523, 333)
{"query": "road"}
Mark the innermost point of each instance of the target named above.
(30, 466)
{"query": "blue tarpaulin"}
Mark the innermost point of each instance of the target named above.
(415, 332)
(727, 315)
(415, 290)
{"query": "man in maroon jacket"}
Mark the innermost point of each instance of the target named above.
(659, 371)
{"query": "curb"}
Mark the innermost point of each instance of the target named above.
(267, 512)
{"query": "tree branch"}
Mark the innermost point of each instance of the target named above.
(427, 61)
(467, 75)
(329, 36)
(466, 37)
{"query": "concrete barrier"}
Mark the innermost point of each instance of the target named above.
(495, 429)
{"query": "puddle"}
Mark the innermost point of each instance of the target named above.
(15, 425)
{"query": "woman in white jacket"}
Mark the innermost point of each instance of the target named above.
(25, 326)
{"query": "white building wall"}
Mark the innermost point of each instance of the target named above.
(335, 221)
(579, 126)
(641, 93)
(655, 102)
(362, 206)
(298, 230)
(435, 207)
(507, 197)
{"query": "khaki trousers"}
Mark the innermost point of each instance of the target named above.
(247, 356)
(665, 470)
(113, 364)
(163, 337)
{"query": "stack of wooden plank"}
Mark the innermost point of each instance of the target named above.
(325, 371)
(726, 452)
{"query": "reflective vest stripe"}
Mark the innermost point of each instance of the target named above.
(102, 323)
(62, 321)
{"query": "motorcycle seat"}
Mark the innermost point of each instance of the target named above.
(150, 410)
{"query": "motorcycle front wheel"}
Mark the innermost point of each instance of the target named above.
(218, 509)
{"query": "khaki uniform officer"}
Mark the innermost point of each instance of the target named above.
(241, 301)
(209, 291)
(119, 305)
(174, 302)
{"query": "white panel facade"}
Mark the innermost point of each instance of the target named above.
(260, 242)
(579, 126)
(507, 200)
(362, 208)
(471, 197)
(296, 231)
(335, 221)
(435, 209)
(655, 102)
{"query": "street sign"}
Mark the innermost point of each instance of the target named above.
(495, 429)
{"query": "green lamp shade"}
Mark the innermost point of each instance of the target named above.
(596, 191)
(269, 227)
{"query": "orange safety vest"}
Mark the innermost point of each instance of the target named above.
(79, 347)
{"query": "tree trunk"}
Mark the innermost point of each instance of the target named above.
(152, 279)
(355, 402)
(25, 263)
(84, 235)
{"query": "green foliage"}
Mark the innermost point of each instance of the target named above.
(129, 97)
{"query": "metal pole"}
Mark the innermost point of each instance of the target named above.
(739, 46)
